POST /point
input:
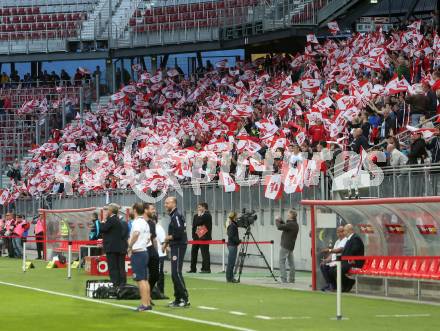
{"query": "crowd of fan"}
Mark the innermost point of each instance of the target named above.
(370, 88)
(46, 79)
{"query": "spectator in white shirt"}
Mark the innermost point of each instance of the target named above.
(160, 233)
(330, 260)
(396, 157)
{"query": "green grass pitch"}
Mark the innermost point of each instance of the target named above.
(263, 309)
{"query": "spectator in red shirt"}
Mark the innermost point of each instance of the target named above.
(317, 133)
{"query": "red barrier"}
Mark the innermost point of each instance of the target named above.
(206, 242)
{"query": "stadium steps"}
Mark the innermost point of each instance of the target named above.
(103, 101)
(97, 22)
(124, 11)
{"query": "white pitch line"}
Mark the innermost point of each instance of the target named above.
(404, 315)
(262, 317)
(189, 319)
(238, 313)
(207, 308)
(294, 318)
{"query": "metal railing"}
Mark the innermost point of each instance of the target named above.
(131, 27)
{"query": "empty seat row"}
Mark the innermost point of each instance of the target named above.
(40, 26)
(19, 11)
(35, 35)
(56, 17)
(177, 25)
(173, 18)
(194, 7)
(416, 267)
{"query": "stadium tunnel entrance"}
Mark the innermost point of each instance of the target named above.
(388, 227)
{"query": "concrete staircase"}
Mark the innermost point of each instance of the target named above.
(96, 24)
(121, 17)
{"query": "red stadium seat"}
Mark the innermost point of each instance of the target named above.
(194, 7)
(396, 267)
(423, 271)
(434, 270)
(170, 10)
(158, 11)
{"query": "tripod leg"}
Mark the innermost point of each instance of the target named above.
(242, 255)
(263, 256)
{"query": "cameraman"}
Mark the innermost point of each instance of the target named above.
(288, 238)
(233, 242)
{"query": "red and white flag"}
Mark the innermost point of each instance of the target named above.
(300, 138)
(157, 78)
(223, 64)
(118, 96)
(333, 27)
(415, 26)
(172, 72)
(397, 85)
(4, 197)
(274, 187)
(267, 128)
(228, 183)
(311, 38)
(310, 85)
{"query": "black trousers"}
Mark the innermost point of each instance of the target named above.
(326, 273)
(161, 281)
(40, 245)
(153, 267)
(347, 283)
(116, 268)
(10, 247)
(177, 255)
(206, 259)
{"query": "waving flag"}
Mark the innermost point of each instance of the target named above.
(274, 187)
(310, 85)
(397, 85)
(118, 96)
(228, 183)
(4, 197)
(333, 27)
(311, 38)
(267, 128)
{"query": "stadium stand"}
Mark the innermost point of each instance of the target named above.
(27, 27)
(274, 102)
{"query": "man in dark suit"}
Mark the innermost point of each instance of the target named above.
(201, 230)
(114, 235)
(353, 247)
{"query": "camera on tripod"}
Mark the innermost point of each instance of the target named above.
(247, 218)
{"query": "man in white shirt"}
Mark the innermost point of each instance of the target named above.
(161, 234)
(397, 158)
(138, 243)
(330, 261)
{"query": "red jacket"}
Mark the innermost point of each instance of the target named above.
(317, 133)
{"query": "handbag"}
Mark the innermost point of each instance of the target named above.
(201, 231)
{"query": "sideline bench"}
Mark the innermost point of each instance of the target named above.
(410, 268)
